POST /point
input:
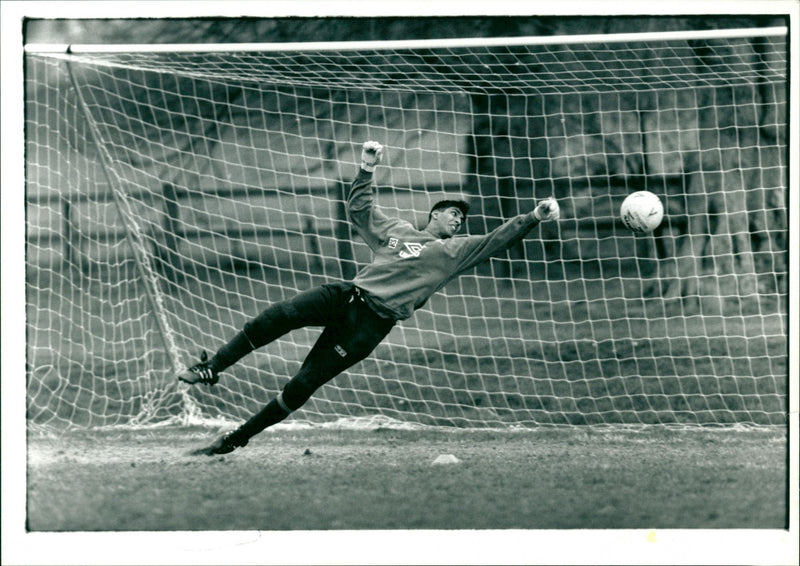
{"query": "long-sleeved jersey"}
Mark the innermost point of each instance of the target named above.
(410, 265)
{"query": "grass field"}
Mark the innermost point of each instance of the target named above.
(322, 479)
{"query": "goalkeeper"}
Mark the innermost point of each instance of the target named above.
(408, 267)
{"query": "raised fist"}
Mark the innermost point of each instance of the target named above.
(371, 155)
(547, 209)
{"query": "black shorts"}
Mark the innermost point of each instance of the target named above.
(352, 330)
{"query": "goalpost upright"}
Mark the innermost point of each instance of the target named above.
(231, 161)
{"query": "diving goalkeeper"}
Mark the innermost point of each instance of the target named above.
(408, 267)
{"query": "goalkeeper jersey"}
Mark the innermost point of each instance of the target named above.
(410, 265)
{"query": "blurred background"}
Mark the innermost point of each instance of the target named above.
(232, 30)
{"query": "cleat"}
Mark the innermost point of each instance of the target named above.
(223, 445)
(200, 373)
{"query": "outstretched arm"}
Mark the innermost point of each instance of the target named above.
(367, 219)
(476, 249)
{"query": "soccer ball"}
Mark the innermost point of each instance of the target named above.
(642, 211)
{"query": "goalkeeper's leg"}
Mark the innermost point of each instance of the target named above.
(316, 307)
(338, 347)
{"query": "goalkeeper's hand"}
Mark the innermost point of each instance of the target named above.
(547, 209)
(371, 155)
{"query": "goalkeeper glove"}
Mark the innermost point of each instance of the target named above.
(371, 155)
(547, 209)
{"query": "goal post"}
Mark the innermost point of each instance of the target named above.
(174, 191)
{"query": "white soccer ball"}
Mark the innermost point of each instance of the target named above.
(642, 211)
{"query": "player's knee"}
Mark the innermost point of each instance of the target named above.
(274, 320)
(298, 391)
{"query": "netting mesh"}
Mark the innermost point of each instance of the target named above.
(515, 69)
(171, 197)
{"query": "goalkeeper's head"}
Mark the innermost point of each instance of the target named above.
(446, 217)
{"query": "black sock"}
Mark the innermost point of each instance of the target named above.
(272, 414)
(238, 347)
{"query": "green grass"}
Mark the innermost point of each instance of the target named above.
(322, 479)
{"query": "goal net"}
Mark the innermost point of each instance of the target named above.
(173, 192)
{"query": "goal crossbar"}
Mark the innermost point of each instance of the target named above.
(448, 43)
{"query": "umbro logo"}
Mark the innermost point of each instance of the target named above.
(412, 250)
